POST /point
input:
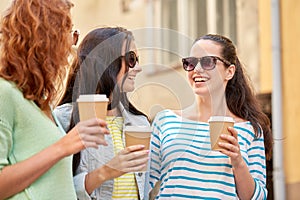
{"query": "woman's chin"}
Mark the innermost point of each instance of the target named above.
(128, 88)
(201, 91)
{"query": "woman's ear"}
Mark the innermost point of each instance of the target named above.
(230, 72)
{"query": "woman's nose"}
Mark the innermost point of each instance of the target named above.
(198, 68)
(137, 67)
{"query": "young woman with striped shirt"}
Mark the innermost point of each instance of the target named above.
(183, 165)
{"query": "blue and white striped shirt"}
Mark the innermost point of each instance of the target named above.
(181, 158)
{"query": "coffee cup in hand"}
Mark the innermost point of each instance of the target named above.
(92, 106)
(219, 125)
(138, 135)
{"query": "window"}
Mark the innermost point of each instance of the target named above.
(182, 21)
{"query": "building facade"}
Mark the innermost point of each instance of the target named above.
(165, 30)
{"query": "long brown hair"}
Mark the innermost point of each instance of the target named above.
(95, 70)
(240, 97)
(35, 44)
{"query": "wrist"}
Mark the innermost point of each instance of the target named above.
(239, 165)
(109, 172)
(94, 179)
(103, 173)
(70, 144)
(59, 150)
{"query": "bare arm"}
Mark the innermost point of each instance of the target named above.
(17, 177)
(244, 181)
(23, 174)
(245, 184)
(130, 159)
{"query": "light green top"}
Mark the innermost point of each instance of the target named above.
(24, 131)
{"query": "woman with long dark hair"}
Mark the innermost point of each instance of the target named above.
(107, 63)
(183, 165)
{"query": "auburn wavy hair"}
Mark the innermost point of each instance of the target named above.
(35, 44)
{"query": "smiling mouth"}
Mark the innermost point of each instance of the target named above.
(131, 78)
(201, 79)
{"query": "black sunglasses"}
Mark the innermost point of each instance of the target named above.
(131, 59)
(207, 62)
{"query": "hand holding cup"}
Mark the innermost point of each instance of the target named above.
(138, 135)
(92, 113)
(89, 133)
(92, 106)
(219, 125)
(130, 159)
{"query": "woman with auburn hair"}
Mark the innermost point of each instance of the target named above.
(35, 152)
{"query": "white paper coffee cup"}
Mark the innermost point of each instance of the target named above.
(92, 106)
(218, 125)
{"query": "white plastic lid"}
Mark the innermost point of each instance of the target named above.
(92, 98)
(220, 119)
(138, 128)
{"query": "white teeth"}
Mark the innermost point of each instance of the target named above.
(131, 78)
(201, 79)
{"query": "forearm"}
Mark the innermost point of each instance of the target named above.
(17, 177)
(245, 184)
(96, 178)
(130, 159)
(93, 180)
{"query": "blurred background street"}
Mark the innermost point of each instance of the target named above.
(266, 33)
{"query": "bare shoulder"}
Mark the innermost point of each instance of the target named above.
(187, 114)
(177, 112)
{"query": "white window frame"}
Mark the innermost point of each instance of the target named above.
(187, 20)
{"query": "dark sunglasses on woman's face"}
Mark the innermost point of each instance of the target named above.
(206, 62)
(131, 59)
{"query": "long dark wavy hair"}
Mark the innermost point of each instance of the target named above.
(95, 70)
(240, 97)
